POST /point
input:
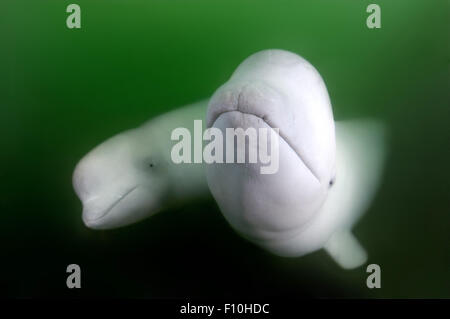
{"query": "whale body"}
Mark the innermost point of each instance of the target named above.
(322, 185)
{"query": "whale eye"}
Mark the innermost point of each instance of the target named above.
(331, 182)
(151, 164)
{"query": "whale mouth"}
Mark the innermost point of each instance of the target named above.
(232, 101)
(282, 136)
(96, 217)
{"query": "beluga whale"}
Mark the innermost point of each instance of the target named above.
(327, 176)
(328, 171)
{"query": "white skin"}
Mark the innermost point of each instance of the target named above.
(317, 194)
(131, 176)
(290, 213)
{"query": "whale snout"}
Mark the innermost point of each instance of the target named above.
(97, 210)
(111, 199)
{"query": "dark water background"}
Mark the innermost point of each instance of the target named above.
(64, 91)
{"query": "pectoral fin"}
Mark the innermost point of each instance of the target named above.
(346, 250)
(361, 151)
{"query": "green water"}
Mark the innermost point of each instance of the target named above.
(64, 91)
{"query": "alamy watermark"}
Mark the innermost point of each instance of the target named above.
(257, 142)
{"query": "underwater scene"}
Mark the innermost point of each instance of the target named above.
(111, 189)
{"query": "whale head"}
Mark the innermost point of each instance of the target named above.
(121, 181)
(275, 89)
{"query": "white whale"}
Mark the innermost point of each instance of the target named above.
(327, 175)
(131, 176)
(291, 213)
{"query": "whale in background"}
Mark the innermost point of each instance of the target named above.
(131, 175)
